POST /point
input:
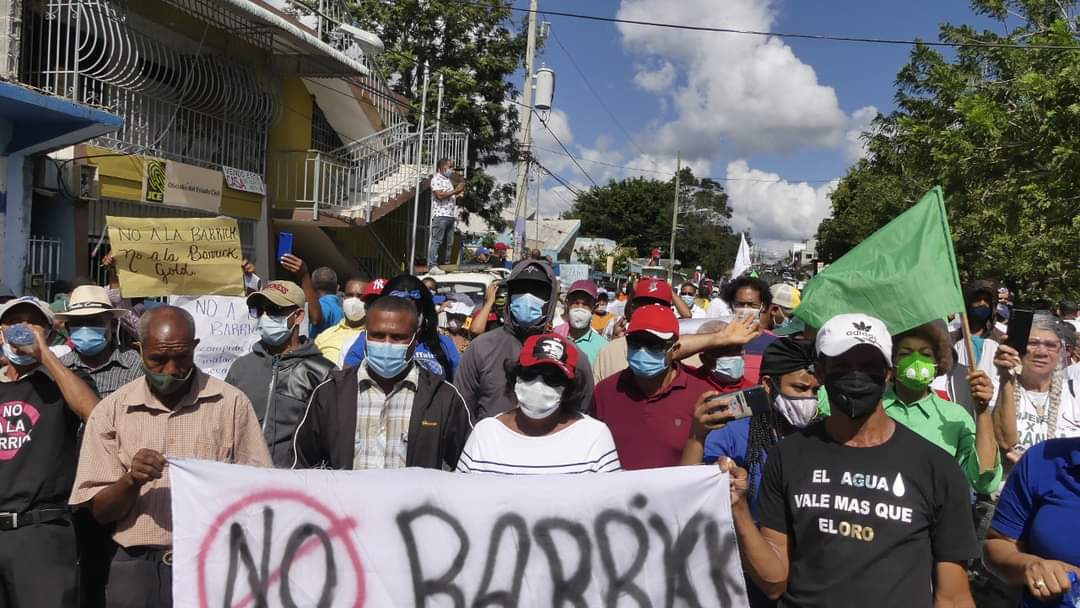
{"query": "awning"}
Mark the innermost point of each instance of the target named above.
(42, 123)
(340, 103)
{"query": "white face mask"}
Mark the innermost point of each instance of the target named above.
(580, 317)
(354, 308)
(747, 311)
(536, 399)
(799, 411)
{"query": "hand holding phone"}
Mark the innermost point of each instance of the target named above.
(742, 404)
(1019, 330)
(285, 244)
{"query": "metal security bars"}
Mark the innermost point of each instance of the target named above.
(179, 100)
(358, 178)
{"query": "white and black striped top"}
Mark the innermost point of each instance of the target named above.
(585, 446)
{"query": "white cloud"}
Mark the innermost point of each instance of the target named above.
(655, 80)
(741, 94)
(860, 122)
(777, 212)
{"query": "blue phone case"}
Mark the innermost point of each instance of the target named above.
(284, 245)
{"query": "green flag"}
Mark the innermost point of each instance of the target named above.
(904, 274)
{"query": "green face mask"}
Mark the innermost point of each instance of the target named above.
(164, 384)
(916, 371)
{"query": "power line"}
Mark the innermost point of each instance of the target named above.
(563, 146)
(600, 100)
(795, 35)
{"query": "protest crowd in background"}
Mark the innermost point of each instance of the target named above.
(888, 439)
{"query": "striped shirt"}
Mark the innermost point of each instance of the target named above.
(123, 366)
(214, 421)
(585, 446)
(382, 421)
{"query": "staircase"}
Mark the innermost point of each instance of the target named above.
(357, 179)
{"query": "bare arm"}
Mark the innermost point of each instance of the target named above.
(740, 331)
(297, 266)
(1006, 360)
(985, 439)
(764, 551)
(705, 421)
(951, 589)
(480, 318)
(1008, 559)
(79, 397)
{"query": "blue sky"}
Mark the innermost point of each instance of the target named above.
(765, 113)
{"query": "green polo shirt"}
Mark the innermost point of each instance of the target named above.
(590, 344)
(944, 424)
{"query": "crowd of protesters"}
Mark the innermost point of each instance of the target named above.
(872, 469)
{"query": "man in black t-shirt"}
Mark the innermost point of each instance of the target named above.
(857, 510)
(41, 404)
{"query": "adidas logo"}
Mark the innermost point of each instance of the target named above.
(860, 326)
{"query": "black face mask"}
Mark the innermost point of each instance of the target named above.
(856, 394)
(981, 313)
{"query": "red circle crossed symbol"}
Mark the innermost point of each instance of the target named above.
(338, 528)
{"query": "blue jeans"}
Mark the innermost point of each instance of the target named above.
(442, 237)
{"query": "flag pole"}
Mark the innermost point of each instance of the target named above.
(969, 345)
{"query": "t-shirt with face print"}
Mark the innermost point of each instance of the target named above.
(865, 525)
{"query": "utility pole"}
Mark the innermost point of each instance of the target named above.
(419, 177)
(674, 218)
(521, 194)
(438, 127)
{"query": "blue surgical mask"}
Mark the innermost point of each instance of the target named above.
(448, 173)
(646, 363)
(274, 330)
(18, 359)
(526, 308)
(729, 369)
(386, 359)
(90, 340)
(688, 300)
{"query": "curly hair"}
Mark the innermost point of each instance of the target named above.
(939, 342)
(753, 283)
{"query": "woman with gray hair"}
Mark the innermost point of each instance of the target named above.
(1035, 400)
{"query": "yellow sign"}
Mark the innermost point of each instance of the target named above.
(154, 182)
(183, 257)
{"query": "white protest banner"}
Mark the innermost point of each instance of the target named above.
(225, 330)
(245, 181)
(568, 273)
(244, 536)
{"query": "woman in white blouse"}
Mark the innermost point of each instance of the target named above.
(1036, 400)
(544, 433)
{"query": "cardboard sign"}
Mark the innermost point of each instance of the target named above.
(185, 257)
(225, 329)
(244, 536)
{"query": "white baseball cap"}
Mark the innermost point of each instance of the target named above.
(459, 308)
(844, 332)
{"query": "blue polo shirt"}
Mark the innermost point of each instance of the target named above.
(1040, 505)
(332, 314)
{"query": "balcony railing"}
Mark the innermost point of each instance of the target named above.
(359, 178)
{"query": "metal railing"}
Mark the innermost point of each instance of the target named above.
(359, 177)
(45, 255)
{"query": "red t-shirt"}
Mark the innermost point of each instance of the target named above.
(649, 432)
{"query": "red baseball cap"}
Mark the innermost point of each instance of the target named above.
(550, 349)
(657, 319)
(501, 246)
(656, 289)
(585, 286)
(373, 289)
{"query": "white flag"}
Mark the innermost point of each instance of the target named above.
(742, 259)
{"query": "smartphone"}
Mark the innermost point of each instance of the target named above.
(743, 404)
(284, 244)
(1020, 329)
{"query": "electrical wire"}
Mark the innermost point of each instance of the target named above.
(563, 146)
(596, 95)
(793, 35)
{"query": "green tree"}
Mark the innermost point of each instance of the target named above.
(636, 213)
(475, 49)
(596, 257)
(998, 129)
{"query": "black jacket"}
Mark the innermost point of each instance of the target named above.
(280, 388)
(438, 427)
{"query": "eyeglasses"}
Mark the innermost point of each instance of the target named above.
(1050, 346)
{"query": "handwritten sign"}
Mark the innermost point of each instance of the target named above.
(225, 329)
(186, 257)
(245, 181)
(244, 536)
